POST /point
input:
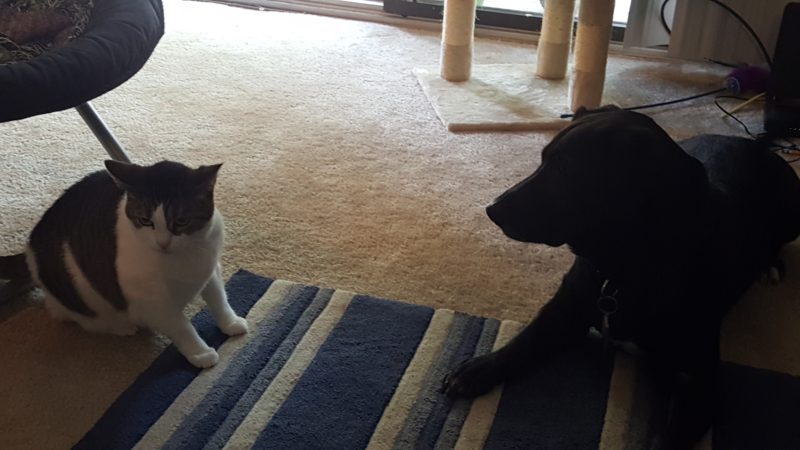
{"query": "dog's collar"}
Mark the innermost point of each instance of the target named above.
(607, 304)
(607, 301)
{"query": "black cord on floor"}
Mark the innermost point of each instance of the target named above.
(727, 113)
(680, 100)
(670, 102)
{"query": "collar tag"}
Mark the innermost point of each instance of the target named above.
(608, 305)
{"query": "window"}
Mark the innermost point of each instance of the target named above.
(515, 14)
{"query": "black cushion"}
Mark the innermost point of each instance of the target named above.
(120, 37)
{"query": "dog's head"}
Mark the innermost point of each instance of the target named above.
(609, 173)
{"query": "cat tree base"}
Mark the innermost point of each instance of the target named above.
(497, 97)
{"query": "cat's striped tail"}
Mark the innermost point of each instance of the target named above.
(14, 267)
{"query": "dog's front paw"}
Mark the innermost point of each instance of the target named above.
(204, 360)
(235, 327)
(474, 377)
(775, 273)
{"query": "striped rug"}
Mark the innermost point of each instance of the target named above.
(325, 369)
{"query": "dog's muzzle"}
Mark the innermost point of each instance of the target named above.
(500, 217)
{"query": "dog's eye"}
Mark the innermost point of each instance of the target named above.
(145, 221)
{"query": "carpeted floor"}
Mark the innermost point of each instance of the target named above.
(337, 173)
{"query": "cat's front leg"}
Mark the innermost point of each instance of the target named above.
(174, 325)
(217, 301)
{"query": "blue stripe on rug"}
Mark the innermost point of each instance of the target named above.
(340, 398)
(203, 422)
(438, 401)
(132, 414)
(560, 404)
(460, 407)
(270, 371)
(428, 396)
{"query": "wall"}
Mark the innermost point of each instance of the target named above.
(702, 29)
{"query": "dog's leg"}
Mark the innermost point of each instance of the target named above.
(561, 323)
(694, 395)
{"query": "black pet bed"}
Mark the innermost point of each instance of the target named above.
(119, 38)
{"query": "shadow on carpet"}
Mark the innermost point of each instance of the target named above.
(325, 369)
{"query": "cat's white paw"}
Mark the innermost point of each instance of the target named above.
(204, 360)
(235, 327)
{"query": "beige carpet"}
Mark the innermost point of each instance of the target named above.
(337, 173)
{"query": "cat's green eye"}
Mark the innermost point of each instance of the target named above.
(145, 222)
(181, 222)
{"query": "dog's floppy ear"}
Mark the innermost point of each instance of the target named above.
(583, 111)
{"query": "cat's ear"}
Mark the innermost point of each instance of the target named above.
(206, 176)
(126, 175)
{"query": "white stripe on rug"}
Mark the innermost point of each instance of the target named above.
(620, 403)
(481, 415)
(187, 401)
(280, 388)
(394, 416)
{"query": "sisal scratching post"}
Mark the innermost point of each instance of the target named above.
(457, 36)
(553, 49)
(591, 53)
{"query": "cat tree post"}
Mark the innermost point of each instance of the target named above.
(591, 53)
(552, 54)
(457, 36)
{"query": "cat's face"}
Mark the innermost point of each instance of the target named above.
(166, 202)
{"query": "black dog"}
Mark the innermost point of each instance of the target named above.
(674, 234)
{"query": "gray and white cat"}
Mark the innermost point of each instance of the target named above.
(130, 247)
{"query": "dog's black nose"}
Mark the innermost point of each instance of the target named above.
(493, 212)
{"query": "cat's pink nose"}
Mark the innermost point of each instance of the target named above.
(163, 244)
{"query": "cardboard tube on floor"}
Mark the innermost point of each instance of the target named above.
(552, 54)
(457, 37)
(591, 53)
